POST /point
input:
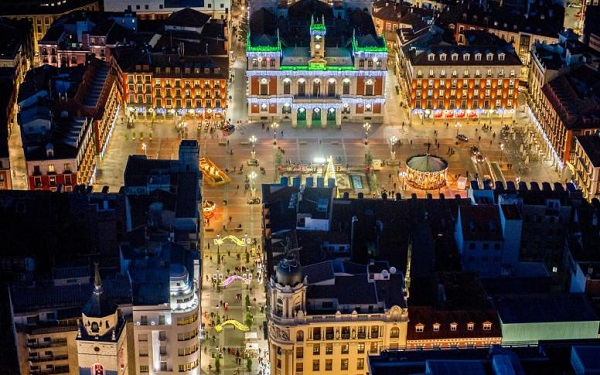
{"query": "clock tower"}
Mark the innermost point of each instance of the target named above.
(317, 38)
(101, 336)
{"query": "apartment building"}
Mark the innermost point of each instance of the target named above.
(314, 73)
(442, 81)
(183, 72)
(587, 165)
(159, 9)
(74, 36)
(43, 13)
(331, 316)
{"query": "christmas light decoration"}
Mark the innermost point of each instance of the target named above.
(316, 73)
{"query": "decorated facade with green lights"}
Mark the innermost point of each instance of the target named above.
(315, 64)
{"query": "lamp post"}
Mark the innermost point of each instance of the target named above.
(252, 183)
(403, 175)
(253, 151)
(501, 150)
(144, 148)
(458, 126)
(275, 125)
(367, 127)
(219, 242)
(393, 141)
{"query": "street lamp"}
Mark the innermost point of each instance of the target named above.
(144, 148)
(252, 184)
(275, 126)
(253, 151)
(501, 150)
(393, 141)
(219, 242)
(458, 126)
(403, 175)
(367, 127)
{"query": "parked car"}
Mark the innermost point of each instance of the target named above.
(474, 150)
(462, 137)
(479, 158)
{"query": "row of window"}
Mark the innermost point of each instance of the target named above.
(463, 93)
(159, 82)
(487, 326)
(178, 92)
(485, 246)
(344, 349)
(168, 102)
(466, 73)
(329, 333)
(466, 56)
(463, 104)
(316, 365)
(188, 319)
(454, 83)
(316, 89)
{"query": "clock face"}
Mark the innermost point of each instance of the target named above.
(317, 46)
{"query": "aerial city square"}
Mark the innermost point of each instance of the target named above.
(299, 187)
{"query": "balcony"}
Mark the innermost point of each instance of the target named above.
(317, 337)
(329, 336)
(361, 335)
(345, 336)
(317, 98)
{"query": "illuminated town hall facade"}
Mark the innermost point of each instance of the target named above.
(315, 64)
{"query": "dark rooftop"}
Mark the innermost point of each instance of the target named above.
(591, 146)
(542, 308)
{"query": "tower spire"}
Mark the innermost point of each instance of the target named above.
(97, 278)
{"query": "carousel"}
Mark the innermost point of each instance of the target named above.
(426, 172)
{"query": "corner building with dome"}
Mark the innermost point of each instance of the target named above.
(332, 315)
(315, 64)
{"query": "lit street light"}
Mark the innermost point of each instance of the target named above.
(393, 141)
(252, 183)
(403, 175)
(501, 150)
(275, 126)
(367, 127)
(144, 148)
(253, 151)
(458, 126)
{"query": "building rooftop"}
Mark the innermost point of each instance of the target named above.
(544, 308)
(481, 223)
(591, 146)
(26, 7)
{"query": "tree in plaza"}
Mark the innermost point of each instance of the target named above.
(243, 30)
(218, 319)
(278, 160)
(247, 301)
(248, 364)
(217, 363)
(370, 172)
(248, 320)
(247, 257)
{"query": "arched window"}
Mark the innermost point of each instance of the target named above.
(395, 332)
(95, 327)
(301, 87)
(280, 306)
(264, 87)
(369, 91)
(300, 336)
(346, 86)
(97, 369)
(331, 87)
(287, 84)
(316, 89)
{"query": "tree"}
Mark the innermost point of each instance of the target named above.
(247, 257)
(248, 364)
(243, 30)
(247, 301)
(248, 320)
(218, 363)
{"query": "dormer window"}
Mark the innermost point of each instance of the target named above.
(453, 327)
(420, 327)
(431, 57)
(455, 57)
(467, 56)
(478, 57)
(489, 57)
(487, 326)
(436, 327)
(470, 326)
(501, 56)
(443, 57)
